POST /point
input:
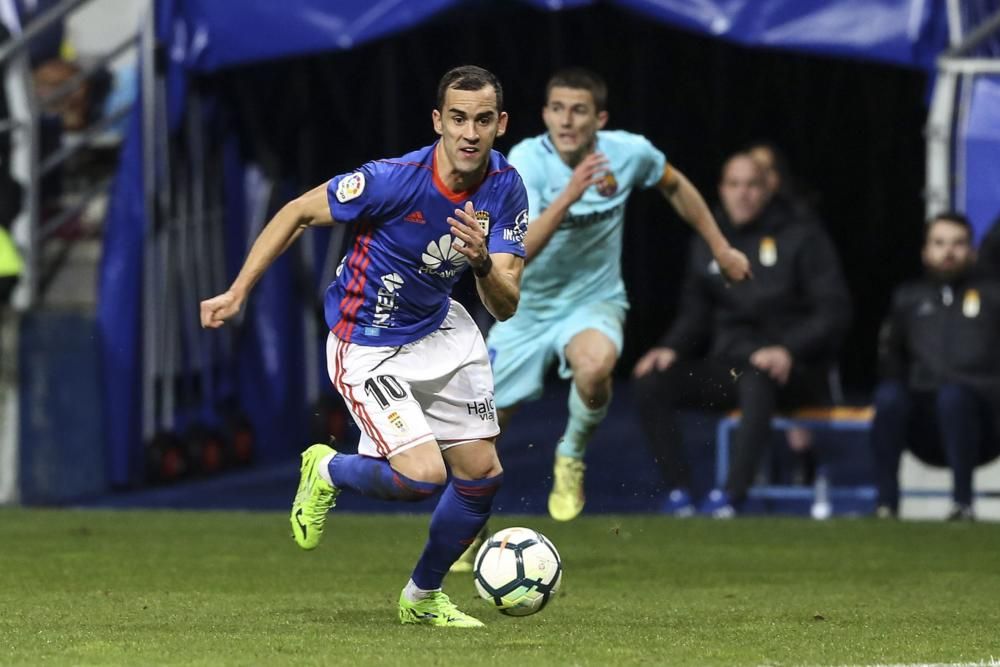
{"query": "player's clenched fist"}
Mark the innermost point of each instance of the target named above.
(734, 265)
(218, 309)
(590, 171)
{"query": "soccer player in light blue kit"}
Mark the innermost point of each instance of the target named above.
(573, 302)
(410, 362)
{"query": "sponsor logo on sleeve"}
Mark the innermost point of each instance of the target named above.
(350, 187)
(516, 233)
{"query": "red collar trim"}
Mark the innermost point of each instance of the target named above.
(449, 194)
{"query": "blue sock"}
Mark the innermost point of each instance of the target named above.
(580, 426)
(462, 511)
(375, 478)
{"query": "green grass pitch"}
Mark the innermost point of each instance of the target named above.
(193, 588)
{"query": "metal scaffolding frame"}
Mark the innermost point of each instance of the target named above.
(956, 68)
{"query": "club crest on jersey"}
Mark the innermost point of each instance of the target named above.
(442, 259)
(971, 303)
(608, 185)
(350, 187)
(483, 218)
(768, 252)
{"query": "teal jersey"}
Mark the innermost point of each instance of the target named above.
(582, 261)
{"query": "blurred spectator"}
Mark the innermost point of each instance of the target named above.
(74, 109)
(939, 394)
(779, 180)
(783, 186)
(770, 341)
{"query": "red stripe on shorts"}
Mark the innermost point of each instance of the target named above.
(358, 408)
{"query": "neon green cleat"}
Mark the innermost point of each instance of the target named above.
(566, 500)
(435, 609)
(467, 560)
(313, 499)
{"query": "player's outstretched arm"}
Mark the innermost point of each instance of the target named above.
(309, 209)
(498, 276)
(691, 206)
(589, 172)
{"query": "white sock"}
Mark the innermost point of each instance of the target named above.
(324, 468)
(414, 593)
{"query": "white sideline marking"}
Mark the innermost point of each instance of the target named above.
(991, 662)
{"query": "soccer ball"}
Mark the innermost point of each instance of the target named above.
(518, 570)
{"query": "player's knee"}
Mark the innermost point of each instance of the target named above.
(491, 470)
(592, 375)
(423, 471)
(478, 468)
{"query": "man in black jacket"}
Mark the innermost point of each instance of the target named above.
(770, 341)
(940, 369)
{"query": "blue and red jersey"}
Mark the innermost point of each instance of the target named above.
(394, 283)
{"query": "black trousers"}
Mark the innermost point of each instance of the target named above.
(952, 426)
(714, 384)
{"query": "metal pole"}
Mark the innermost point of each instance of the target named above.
(150, 323)
(982, 32)
(37, 27)
(25, 148)
(954, 14)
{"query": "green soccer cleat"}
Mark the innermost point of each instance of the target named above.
(566, 500)
(313, 499)
(435, 609)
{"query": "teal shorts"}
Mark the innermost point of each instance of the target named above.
(522, 349)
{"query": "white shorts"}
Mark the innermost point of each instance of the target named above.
(439, 387)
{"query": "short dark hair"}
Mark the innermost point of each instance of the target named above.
(584, 79)
(469, 77)
(955, 218)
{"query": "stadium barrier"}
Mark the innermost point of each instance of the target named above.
(838, 418)
(925, 490)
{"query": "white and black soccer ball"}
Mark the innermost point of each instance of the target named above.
(518, 570)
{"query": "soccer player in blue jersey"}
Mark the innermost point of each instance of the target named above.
(409, 361)
(578, 177)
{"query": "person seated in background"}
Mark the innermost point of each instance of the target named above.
(771, 340)
(783, 187)
(778, 178)
(939, 367)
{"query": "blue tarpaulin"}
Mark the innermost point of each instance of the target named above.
(207, 35)
(978, 189)
(202, 36)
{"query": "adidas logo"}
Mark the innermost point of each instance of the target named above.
(416, 217)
